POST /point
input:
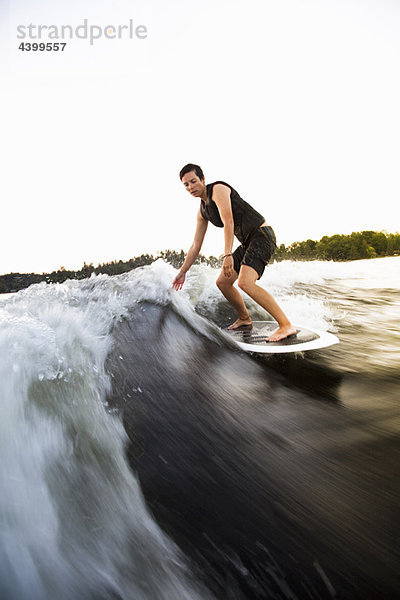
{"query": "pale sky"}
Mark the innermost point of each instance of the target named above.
(295, 103)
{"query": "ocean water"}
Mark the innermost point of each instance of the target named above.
(143, 456)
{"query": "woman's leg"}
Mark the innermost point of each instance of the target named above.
(247, 282)
(234, 297)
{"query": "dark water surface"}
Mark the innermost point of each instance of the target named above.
(273, 492)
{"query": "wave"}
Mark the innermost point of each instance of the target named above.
(74, 521)
(143, 456)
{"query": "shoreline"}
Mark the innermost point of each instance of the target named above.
(15, 282)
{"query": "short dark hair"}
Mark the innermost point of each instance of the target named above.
(190, 167)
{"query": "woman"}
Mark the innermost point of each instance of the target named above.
(222, 205)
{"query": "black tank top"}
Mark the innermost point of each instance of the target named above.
(246, 219)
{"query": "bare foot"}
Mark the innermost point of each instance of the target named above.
(239, 323)
(281, 333)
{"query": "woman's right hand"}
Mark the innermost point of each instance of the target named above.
(179, 281)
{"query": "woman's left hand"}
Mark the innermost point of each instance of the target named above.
(227, 266)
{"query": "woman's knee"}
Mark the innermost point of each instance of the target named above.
(247, 279)
(225, 282)
(242, 284)
(245, 285)
(220, 283)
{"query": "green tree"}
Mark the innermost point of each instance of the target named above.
(393, 244)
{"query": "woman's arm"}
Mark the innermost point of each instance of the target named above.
(222, 198)
(201, 228)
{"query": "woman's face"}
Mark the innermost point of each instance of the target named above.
(193, 183)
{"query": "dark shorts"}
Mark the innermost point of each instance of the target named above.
(258, 252)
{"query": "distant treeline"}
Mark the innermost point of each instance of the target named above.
(361, 244)
(364, 244)
(13, 282)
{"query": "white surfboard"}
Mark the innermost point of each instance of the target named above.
(254, 339)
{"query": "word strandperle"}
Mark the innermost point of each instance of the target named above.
(85, 31)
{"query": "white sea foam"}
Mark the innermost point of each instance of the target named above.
(371, 273)
(305, 308)
(356, 300)
(73, 520)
